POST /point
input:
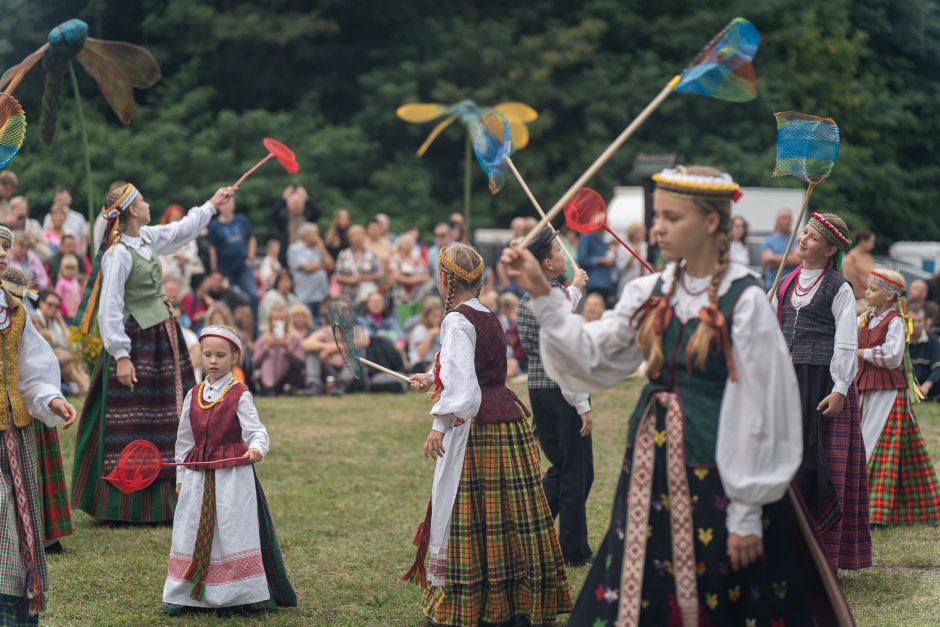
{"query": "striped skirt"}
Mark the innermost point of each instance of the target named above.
(114, 415)
(56, 515)
(503, 558)
(901, 477)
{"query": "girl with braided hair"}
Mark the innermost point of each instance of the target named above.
(903, 486)
(700, 533)
(143, 373)
(816, 309)
(493, 556)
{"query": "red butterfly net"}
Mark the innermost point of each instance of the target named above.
(277, 150)
(586, 212)
(139, 465)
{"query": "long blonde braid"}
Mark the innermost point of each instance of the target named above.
(649, 336)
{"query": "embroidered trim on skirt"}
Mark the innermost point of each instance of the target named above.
(503, 557)
(113, 416)
(901, 476)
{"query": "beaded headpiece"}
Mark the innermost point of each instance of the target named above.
(127, 196)
(832, 235)
(675, 182)
(455, 269)
(225, 333)
(888, 283)
(6, 233)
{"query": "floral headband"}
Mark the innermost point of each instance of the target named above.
(453, 268)
(224, 333)
(124, 200)
(690, 186)
(831, 233)
(6, 233)
(888, 283)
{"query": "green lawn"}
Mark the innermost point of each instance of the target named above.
(347, 486)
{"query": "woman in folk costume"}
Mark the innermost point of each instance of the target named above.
(144, 370)
(54, 494)
(30, 378)
(699, 533)
(225, 553)
(901, 477)
(816, 309)
(488, 532)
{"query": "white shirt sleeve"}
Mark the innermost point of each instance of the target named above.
(844, 362)
(760, 435)
(574, 295)
(587, 357)
(184, 435)
(460, 396)
(579, 400)
(890, 354)
(40, 379)
(253, 432)
(168, 238)
(115, 268)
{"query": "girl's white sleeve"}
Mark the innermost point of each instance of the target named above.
(592, 356)
(890, 354)
(760, 428)
(40, 379)
(253, 432)
(168, 238)
(460, 396)
(844, 362)
(115, 268)
(184, 436)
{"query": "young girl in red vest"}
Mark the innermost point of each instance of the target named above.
(902, 482)
(225, 553)
(488, 531)
(816, 309)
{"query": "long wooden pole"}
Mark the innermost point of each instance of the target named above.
(603, 158)
(796, 227)
(397, 375)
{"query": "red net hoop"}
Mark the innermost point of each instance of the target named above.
(283, 154)
(136, 468)
(586, 212)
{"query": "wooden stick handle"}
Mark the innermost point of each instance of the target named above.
(796, 227)
(538, 207)
(397, 375)
(602, 159)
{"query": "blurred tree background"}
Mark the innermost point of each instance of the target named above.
(326, 77)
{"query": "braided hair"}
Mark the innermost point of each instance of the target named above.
(648, 339)
(468, 260)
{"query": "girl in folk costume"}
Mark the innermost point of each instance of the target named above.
(225, 553)
(488, 531)
(699, 533)
(142, 375)
(30, 381)
(902, 482)
(816, 309)
(56, 515)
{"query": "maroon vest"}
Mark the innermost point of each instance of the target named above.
(870, 376)
(216, 431)
(497, 402)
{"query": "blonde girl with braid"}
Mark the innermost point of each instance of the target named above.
(487, 536)
(699, 532)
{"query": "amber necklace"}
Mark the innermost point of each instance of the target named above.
(205, 406)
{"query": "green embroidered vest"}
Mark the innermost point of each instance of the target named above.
(144, 299)
(700, 392)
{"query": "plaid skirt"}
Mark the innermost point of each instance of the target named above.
(12, 571)
(503, 558)
(114, 415)
(901, 477)
(11, 612)
(56, 515)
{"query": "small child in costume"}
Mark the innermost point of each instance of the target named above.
(902, 482)
(30, 380)
(493, 554)
(225, 553)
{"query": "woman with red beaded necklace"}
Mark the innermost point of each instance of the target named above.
(816, 309)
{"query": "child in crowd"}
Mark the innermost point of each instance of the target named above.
(69, 287)
(224, 552)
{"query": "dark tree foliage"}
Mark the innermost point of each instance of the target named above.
(326, 77)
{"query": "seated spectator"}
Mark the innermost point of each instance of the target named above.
(377, 321)
(20, 221)
(28, 262)
(917, 292)
(185, 262)
(357, 269)
(270, 266)
(281, 296)
(278, 357)
(68, 287)
(301, 322)
(49, 323)
(424, 341)
(220, 314)
(196, 304)
(925, 354)
(75, 222)
(324, 363)
(408, 272)
(383, 352)
(593, 307)
(489, 298)
(516, 360)
(67, 246)
(53, 234)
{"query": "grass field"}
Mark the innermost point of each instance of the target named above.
(347, 486)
